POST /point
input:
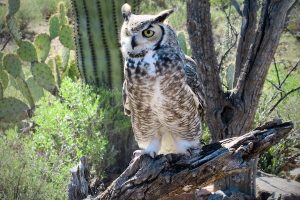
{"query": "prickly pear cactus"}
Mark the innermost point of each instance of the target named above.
(65, 36)
(97, 24)
(23, 87)
(34, 55)
(36, 90)
(54, 26)
(62, 13)
(1, 56)
(42, 74)
(27, 51)
(12, 64)
(13, 7)
(1, 91)
(42, 44)
(4, 79)
(12, 110)
(230, 75)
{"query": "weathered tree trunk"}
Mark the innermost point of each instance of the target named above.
(169, 175)
(231, 113)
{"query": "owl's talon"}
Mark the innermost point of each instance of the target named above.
(137, 153)
(152, 154)
(193, 151)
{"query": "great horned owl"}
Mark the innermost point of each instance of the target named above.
(158, 87)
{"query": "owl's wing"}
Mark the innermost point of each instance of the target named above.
(125, 99)
(193, 81)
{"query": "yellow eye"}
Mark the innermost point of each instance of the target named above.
(148, 33)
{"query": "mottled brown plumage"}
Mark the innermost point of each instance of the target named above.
(158, 87)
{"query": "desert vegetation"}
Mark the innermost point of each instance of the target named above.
(50, 117)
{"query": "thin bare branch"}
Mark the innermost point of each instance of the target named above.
(274, 85)
(289, 73)
(5, 43)
(234, 33)
(283, 97)
(277, 72)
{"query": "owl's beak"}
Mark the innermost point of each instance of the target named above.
(133, 42)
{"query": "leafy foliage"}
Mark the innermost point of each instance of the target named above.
(81, 123)
(23, 174)
(70, 128)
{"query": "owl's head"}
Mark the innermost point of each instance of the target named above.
(141, 33)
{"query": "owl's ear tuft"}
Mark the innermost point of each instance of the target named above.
(126, 11)
(163, 15)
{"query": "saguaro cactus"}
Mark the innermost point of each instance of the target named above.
(97, 24)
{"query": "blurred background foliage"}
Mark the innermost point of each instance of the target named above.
(38, 151)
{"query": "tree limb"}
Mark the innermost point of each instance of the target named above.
(169, 175)
(202, 44)
(253, 73)
(237, 7)
(247, 36)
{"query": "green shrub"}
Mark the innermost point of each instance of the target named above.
(70, 128)
(276, 159)
(37, 165)
(23, 174)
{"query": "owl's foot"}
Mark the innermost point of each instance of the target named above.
(138, 153)
(186, 147)
(193, 151)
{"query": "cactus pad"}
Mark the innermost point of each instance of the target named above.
(24, 89)
(12, 26)
(42, 44)
(36, 90)
(12, 110)
(62, 13)
(4, 79)
(1, 91)
(42, 74)
(65, 57)
(12, 64)
(54, 26)
(13, 6)
(1, 56)
(230, 70)
(55, 66)
(66, 36)
(27, 51)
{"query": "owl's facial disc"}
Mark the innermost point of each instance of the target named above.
(145, 39)
(142, 33)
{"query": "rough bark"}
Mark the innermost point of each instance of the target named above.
(202, 44)
(231, 113)
(173, 174)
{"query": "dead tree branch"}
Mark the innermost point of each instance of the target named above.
(234, 37)
(282, 98)
(169, 175)
(247, 36)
